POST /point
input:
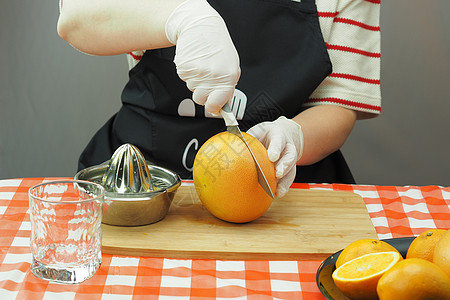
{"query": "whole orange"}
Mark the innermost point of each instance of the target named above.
(423, 245)
(226, 180)
(358, 278)
(441, 255)
(361, 247)
(414, 278)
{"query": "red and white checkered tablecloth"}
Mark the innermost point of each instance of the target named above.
(395, 212)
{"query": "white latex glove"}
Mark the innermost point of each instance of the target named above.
(283, 139)
(205, 56)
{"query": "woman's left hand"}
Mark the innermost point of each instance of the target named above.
(283, 139)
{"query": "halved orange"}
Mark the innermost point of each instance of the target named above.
(361, 247)
(358, 278)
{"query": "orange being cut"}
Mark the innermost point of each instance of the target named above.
(361, 247)
(358, 278)
(226, 180)
(414, 279)
(423, 245)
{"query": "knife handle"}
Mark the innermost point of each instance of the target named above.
(228, 116)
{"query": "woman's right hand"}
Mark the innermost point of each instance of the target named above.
(205, 56)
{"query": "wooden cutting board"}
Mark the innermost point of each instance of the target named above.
(303, 225)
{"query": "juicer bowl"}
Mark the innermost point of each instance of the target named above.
(136, 209)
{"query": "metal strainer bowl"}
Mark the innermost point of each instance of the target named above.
(137, 192)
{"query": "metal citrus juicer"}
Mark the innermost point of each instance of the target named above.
(137, 192)
(127, 172)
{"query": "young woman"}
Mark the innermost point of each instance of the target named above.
(297, 75)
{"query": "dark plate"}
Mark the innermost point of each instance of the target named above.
(323, 275)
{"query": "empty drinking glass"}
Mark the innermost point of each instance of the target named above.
(66, 233)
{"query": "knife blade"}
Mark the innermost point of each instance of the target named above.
(233, 127)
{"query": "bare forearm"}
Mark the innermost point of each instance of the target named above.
(325, 129)
(109, 27)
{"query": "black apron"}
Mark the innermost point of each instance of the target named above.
(283, 59)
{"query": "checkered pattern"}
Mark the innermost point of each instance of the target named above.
(399, 211)
(395, 212)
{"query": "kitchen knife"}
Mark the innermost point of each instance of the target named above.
(232, 127)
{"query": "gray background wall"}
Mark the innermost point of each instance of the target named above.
(54, 98)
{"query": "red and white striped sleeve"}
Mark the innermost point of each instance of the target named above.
(134, 57)
(352, 35)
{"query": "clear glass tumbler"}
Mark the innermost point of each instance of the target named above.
(66, 233)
